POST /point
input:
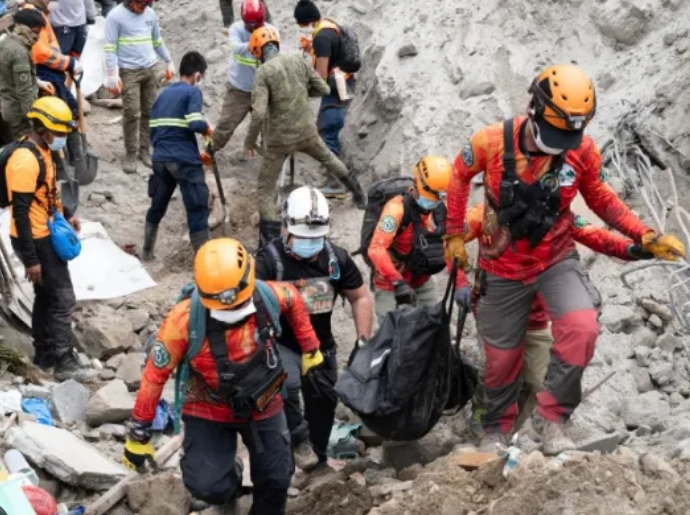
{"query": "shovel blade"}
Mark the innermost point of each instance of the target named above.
(87, 173)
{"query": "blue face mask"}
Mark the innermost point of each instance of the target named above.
(306, 247)
(426, 204)
(58, 143)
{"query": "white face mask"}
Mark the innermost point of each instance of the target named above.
(540, 144)
(232, 316)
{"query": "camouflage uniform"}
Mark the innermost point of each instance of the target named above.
(280, 102)
(18, 86)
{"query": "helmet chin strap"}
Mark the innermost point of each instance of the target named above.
(539, 143)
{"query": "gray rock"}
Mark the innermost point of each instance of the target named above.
(683, 407)
(604, 443)
(376, 477)
(477, 89)
(110, 404)
(390, 488)
(646, 409)
(642, 356)
(619, 319)
(669, 342)
(106, 375)
(656, 322)
(675, 399)
(682, 450)
(115, 362)
(654, 465)
(84, 360)
(682, 430)
(106, 334)
(624, 22)
(644, 337)
(407, 50)
(116, 431)
(69, 402)
(63, 455)
(642, 380)
(661, 372)
(130, 370)
(162, 494)
(670, 38)
(138, 318)
(36, 391)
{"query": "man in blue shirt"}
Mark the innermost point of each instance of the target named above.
(175, 120)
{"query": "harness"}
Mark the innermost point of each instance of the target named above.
(326, 23)
(426, 257)
(528, 211)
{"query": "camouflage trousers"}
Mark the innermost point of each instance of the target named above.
(236, 106)
(139, 90)
(272, 165)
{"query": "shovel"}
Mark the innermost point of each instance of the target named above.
(226, 212)
(86, 173)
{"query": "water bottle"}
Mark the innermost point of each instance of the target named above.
(17, 465)
(341, 84)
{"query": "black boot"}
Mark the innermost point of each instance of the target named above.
(269, 230)
(198, 239)
(67, 367)
(150, 235)
(358, 195)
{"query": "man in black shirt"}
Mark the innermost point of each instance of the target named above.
(325, 46)
(320, 271)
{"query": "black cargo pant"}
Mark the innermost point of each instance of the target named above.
(51, 320)
(208, 463)
(319, 412)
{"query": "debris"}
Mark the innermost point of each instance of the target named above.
(162, 494)
(655, 308)
(106, 334)
(390, 488)
(472, 460)
(655, 466)
(669, 342)
(130, 370)
(110, 404)
(65, 456)
(643, 380)
(138, 318)
(605, 444)
(10, 402)
(476, 90)
(619, 319)
(38, 408)
(69, 400)
(407, 50)
(656, 322)
(115, 362)
(646, 409)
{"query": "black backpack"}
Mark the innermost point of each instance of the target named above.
(5, 154)
(350, 57)
(377, 196)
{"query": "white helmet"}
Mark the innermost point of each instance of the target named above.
(306, 213)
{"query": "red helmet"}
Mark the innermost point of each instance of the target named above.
(253, 13)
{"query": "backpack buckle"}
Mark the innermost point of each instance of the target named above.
(271, 358)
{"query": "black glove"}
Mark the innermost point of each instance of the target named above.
(90, 21)
(404, 294)
(636, 253)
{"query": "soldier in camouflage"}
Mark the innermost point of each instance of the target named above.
(18, 84)
(281, 111)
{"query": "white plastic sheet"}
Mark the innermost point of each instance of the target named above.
(102, 270)
(93, 59)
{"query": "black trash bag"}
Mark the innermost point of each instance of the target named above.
(400, 382)
(465, 374)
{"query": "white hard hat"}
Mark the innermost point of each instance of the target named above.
(306, 213)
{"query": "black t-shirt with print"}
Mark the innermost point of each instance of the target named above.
(312, 279)
(327, 44)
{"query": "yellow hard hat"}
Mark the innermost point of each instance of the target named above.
(53, 113)
(432, 176)
(224, 274)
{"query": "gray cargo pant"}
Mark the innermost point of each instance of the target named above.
(236, 107)
(272, 165)
(502, 316)
(385, 300)
(139, 90)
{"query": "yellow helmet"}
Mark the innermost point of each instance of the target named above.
(224, 274)
(53, 113)
(563, 103)
(431, 177)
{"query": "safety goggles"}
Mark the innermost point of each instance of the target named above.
(572, 122)
(69, 126)
(440, 195)
(229, 296)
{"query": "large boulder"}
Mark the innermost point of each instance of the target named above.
(624, 21)
(648, 409)
(162, 494)
(69, 401)
(106, 334)
(111, 404)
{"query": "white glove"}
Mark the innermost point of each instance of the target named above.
(113, 82)
(78, 68)
(46, 87)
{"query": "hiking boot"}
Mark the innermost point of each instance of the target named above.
(230, 508)
(129, 163)
(145, 157)
(474, 424)
(305, 457)
(150, 235)
(198, 239)
(358, 195)
(67, 367)
(44, 361)
(334, 190)
(553, 438)
(493, 441)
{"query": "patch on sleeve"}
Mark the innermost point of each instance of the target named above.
(160, 354)
(24, 77)
(388, 224)
(603, 174)
(580, 222)
(468, 155)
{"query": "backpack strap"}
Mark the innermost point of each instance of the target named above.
(271, 305)
(333, 263)
(42, 169)
(273, 251)
(440, 215)
(509, 173)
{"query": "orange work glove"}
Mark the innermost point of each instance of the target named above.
(206, 159)
(665, 246)
(305, 43)
(455, 249)
(170, 71)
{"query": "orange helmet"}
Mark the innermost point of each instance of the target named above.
(224, 274)
(563, 103)
(260, 37)
(431, 177)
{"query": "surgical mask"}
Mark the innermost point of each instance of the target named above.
(58, 143)
(199, 80)
(426, 204)
(540, 144)
(232, 316)
(306, 247)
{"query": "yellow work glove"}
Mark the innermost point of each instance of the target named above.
(664, 246)
(311, 360)
(455, 249)
(137, 455)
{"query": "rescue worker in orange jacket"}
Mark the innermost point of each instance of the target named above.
(538, 338)
(533, 168)
(402, 267)
(234, 384)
